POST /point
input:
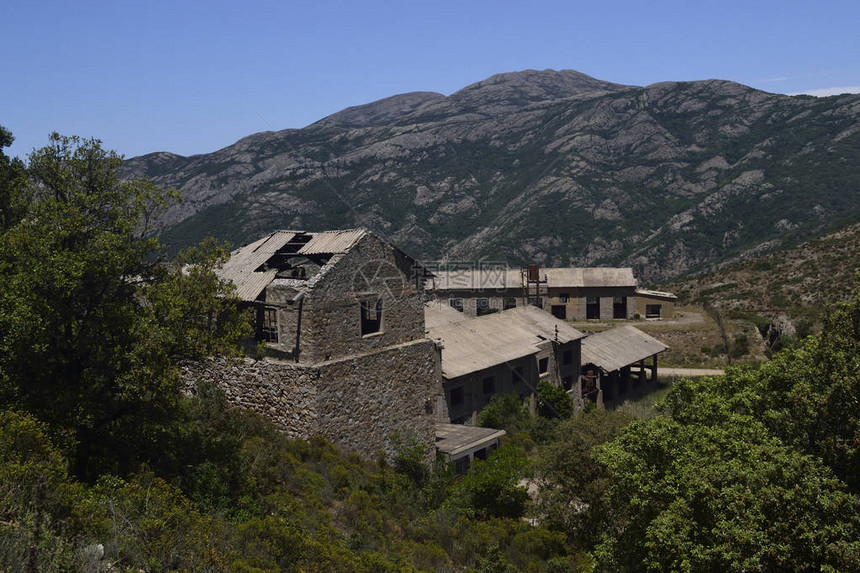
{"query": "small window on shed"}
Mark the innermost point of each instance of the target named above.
(489, 385)
(543, 366)
(619, 307)
(559, 311)
(457, 396)
(564, 297)
(461, 466)
(653, 310)
(371, 316)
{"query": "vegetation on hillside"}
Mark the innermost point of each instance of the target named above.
(798, 281)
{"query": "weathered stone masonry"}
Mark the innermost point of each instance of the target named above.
(358, 403)
(338, 371)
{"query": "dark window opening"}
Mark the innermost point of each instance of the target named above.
(483, 307)
(607, 385)
(456, 303)
(592, 307)
(481, 454)
(269, 326)
(619, 307)
(564, 297)
(457, 396)
(371, 316)
(517, 375)
(510, 302)
(559, 311)
(653, 310)
(567, 382)
(543, 366)
(489, 385)
(567, 357)
(461, 466)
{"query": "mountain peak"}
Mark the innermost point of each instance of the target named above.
(529, 86)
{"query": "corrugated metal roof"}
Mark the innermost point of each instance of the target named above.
(454, 439)
(655, 294)
(616, 348)
(589, 277)
(242, 267)
(486, 341)
(557, 277)
(250, 285)
(331, 242)
(475, 279)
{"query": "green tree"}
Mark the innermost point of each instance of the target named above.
(491, 487)
(726, 497)
(13, 180)
(808, 396)
(553, 401)
(92, 322)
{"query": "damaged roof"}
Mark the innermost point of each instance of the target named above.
(246, 267)
(478, 343)
(616, 348)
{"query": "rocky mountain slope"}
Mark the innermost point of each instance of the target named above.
(550, 167)
(801, 280)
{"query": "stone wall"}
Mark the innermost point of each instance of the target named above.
(331, 315)
(283, 392)
(357, 403)
(365, 400)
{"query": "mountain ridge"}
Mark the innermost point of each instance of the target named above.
(547, 167)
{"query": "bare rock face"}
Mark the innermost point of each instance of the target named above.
(541, 166)
(382, 111)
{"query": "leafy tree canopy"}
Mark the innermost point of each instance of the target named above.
(92, 320)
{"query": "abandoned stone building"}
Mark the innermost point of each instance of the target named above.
(355, 352)
(508, 351)
(596, 293)
(342, 316)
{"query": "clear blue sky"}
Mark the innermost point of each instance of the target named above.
(193, 77)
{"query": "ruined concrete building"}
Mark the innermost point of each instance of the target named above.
(342, 315)
(595, 293)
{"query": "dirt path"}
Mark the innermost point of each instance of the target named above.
(689, 372)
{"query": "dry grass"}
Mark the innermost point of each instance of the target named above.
(692, 337)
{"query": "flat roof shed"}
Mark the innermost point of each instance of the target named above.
(616, 348)
(454, 440)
